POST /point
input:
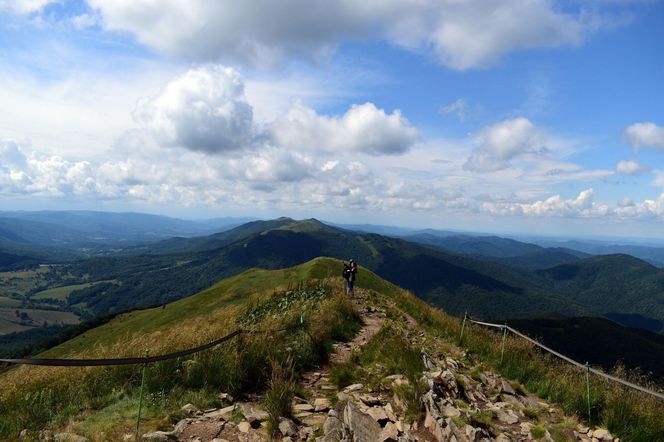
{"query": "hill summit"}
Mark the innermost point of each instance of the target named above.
(313, 364)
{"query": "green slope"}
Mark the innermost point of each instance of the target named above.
(613, 284)
(230, 292)
(450, 281)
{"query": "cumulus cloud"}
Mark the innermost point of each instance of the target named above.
(23, 6)
(461, 35)
(631, 167)
(581, 206)
(500, 143)
(363, 128)
(203, 110)
(645, 135)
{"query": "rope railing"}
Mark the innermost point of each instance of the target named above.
(570, 360)
(143, 360)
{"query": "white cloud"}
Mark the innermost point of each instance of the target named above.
(631, 167)
(23, 7)
(204, 110)
(645, 135)
(458, 107)
(581, 206)
(500, 143)
(461, 35)
(363, 128)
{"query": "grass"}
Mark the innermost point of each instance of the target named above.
(538, 431)
(60, 293)
(629, 414)
(388, 352)
(280, 393)
(35, 397)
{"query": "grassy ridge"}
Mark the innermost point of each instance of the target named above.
(33, 397)
(632, 415)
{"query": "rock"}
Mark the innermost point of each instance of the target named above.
(189, 409)
(305, 433)
(506, 387)
(363, 427)
(157, 436)
(379, 415)
(449, 411)
(180, 426)
(445, 385)
(287, 427)
(582, 429)
(47, 436)
(24, 434)
(389, 433)
(321, 404)
(298, 408)
(370, 400)
(525, 428)
(255, 416)
(602, 434)
(390, 412)
(244, 426)
(225, 397)
(507, 416)
(502, 437)
(353, 387)
(69, 437)
(333, 426)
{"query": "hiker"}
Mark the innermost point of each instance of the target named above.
(348, 274)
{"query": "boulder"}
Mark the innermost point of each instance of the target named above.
(370, 400)
(333, 426)
(353, 387)
(602, 434)
(321, 404)
(287, 427)
(244, 426)
(389, 433)
(157, 436)
(362, 426)
(189, 409)
(299, 408)
(379, 415)
(506, 387)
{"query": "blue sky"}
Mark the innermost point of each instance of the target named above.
(515, 116)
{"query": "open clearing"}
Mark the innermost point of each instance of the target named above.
(61, 293)
(10, 322)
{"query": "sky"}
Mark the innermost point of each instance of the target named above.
(505, 116)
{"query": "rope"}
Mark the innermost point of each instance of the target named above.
(572, 361)
(144, 360)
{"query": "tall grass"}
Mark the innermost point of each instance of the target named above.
(38, 397)
(632, 415)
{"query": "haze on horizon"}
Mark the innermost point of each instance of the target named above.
(429, 114)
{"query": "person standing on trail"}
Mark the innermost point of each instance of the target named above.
(349, 272)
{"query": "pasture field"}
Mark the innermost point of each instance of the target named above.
(11, 322)
(60, 293)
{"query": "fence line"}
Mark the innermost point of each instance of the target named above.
(570, 360)
(143, 360)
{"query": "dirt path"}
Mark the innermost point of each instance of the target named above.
(218, 425)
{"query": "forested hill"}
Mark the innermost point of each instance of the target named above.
(180, 267)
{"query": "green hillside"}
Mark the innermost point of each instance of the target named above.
(451, 281)
(613, 284)
(101, 402)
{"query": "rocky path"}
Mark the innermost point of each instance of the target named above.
(461, 400)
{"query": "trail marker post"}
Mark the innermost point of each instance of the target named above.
(463, 325)
(140, 398)
(588, 388)
(502, 348)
